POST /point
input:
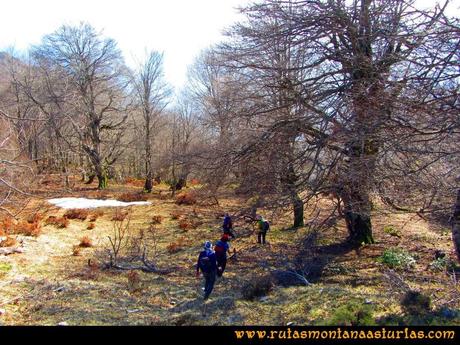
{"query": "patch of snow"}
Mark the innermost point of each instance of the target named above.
(68, 203)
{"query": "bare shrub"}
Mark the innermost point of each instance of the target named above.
(6, 226)
(34, 218)
(134, 182)
(95, 215)
(157, 219)
(134, 281)
(130, 197)
(184, 225)
(119, 216)
(80, 214)
(59, 222)
(76, 249)
(85, 242)
(176, 246)
(124, 249)
(186, 198)
(176, 215)
(27, 229)
(8, 242)
(120, 237)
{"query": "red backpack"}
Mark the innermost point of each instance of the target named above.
(219, 248)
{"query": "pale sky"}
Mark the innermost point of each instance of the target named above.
(179, 28)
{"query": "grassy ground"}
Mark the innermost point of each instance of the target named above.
(47, 284)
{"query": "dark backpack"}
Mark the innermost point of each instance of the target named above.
(205, 263)
(266, 226)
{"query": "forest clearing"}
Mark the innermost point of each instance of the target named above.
(328, 129)
(50, 283)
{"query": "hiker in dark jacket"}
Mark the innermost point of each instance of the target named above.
(228, 225)
(263, 227)
(208, 266)
(221, 248)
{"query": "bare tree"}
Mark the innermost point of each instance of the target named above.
(93, 73)
(14, 170)
(364, 87)
(152, 93)
(186, 132)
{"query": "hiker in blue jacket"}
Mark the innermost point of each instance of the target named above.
(208, 266)
(228, 225)
(221, 248)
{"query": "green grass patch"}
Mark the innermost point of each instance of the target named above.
(353, 313)
(5, 267)
(391, 230)
(439, 264)
(397, 258)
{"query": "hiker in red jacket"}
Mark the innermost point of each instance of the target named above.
(221, 248)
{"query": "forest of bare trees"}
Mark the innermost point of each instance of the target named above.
(353, 101)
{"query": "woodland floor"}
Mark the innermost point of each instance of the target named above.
(47, 284)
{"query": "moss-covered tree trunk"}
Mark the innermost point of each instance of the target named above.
(102, 180)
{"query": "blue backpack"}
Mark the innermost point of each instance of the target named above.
(205, 263)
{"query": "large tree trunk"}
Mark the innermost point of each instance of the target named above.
(97, 164)
(102, 180)
(298, 212)
(148, 153)
(357, 207)
(257, 203)
(359, 227)
(181, 183)
(456, 226)
(356, 188)
(290, 180)
(148, 185)
(90, 178)
(363, 145)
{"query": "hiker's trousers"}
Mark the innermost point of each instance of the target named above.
(261, 237)
(221, 263)
(210, 279)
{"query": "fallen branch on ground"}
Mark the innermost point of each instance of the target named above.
(145, 267)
